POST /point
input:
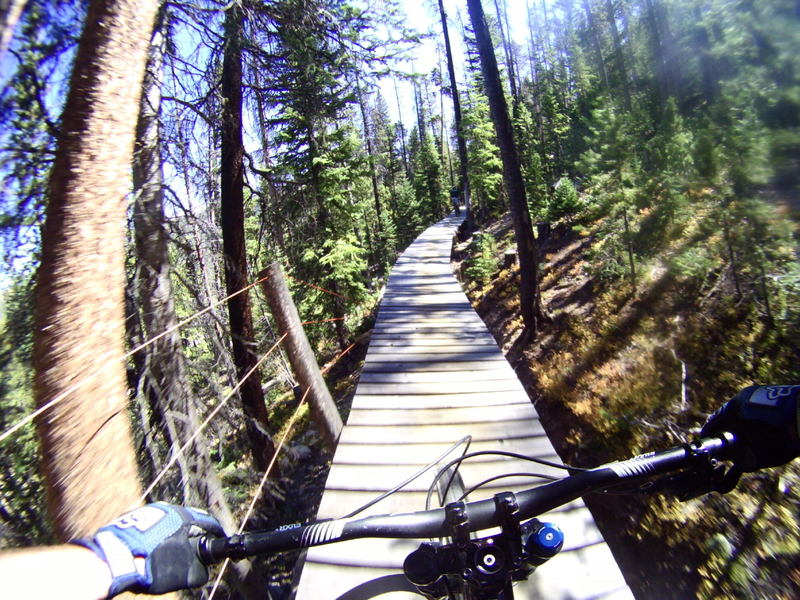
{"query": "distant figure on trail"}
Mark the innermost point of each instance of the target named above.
(455, 200)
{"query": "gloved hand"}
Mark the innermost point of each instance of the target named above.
(766, 423)
(153, 549)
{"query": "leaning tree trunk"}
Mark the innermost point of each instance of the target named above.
(87, 450)
(512, 173)
(233, 242)
(165, 382)
(594, 36)
(462, 144)
(505, 34)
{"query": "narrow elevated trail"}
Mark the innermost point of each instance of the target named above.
(432, 375)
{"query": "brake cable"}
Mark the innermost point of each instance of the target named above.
(504, 476)
(467, 440)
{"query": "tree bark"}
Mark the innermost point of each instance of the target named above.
(301, 357)
(10, 12)
(406, 166)
(619, 58)
(629, 246)
(512, 174)
(502, 24)
(87, 448)
(233, 242)
(420, 113)
(662, 52)
(462, 144)
(165, 382)
(595, 37)
(381, 241)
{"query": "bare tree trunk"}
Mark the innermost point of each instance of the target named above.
(270, 206)
(462, 144)
(732, 256)
(233, 241)
(619, 58)
(87, 448)
(594, 34)
(304, 363)
(629, 246)
(502, 24)
(659, 54)
(420, 113)
(166, 383)
(402, 131)
(10, 12)
(381, 241)
(512, 174)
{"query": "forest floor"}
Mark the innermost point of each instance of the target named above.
(569, 297)
(305, 470)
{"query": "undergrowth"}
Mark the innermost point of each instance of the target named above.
(623, 371)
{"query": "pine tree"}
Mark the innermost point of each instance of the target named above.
(530, 306)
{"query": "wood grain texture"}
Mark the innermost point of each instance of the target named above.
(433, 375)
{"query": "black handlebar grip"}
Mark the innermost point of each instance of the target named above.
(766, 423)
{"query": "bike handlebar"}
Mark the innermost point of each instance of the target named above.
(481, 514)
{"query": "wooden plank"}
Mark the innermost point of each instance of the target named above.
(428, 363)
(441, 387)
(461, 349)
(431, 340)
(422, 302)
(368, 478)
(404, 434)
(439, 294)
(421, 454)
(439, 416)
(411, 328)
(428, 377)
(451, 308)
(412, 334)
(413, 355)
(334, 581)
(337, 503)
(433, 317)
(413, 402)
(427, 286)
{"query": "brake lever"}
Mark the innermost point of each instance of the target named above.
(691, 484)
(706, 475)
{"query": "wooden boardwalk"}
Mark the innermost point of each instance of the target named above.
(432, 375)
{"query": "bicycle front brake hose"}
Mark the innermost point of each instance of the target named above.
(516, 455)
(477, 486)
(466, 439)
(432, 486)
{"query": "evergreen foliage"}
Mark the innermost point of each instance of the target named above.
(482, 264)
(484, 165)
(565, 202)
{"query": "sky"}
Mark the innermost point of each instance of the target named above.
(423, 16)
